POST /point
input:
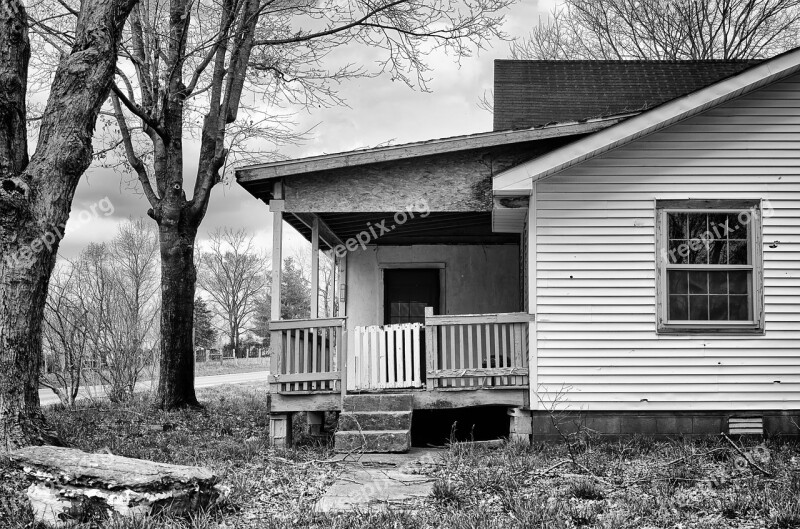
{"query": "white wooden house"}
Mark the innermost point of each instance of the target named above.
(638, 262)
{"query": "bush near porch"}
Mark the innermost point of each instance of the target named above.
(635, 482)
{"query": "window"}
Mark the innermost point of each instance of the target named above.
(709, 266)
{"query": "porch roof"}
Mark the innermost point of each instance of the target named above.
(258, 179)
(434, 228)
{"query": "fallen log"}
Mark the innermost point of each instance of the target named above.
(75, 486)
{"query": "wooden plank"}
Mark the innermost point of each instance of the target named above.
(352, 362)
(306, 323)
(463, 319)
(390, 360)
(430, 350)
(339, 359)
(305, 377)
(296, 365)
(306, 355)
(451, 353)
(407, 353)
(315, 352)
(479, 372)
(384, 381)
(461, 350)
(518, 348)
(470, 352)
(417, 369)
(315, 268)
(276, 360)
(277, 265)
(326, 234)
(399, 358)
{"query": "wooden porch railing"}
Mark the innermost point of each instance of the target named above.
(476, 350)
(306, 355)
(385, 356)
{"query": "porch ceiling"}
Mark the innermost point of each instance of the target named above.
(435, 228)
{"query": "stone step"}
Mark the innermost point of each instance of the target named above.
(375, 441)
(381, 402)
(353, 421)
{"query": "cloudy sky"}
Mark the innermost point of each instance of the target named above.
(379, 111)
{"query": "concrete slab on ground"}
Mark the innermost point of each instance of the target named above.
(380, 481)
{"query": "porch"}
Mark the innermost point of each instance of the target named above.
(448, 361)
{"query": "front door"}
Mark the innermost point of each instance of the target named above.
(407, 291)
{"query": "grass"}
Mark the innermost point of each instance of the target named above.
(632, 483)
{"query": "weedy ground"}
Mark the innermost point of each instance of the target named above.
(632, 483)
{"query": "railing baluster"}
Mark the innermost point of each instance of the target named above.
(314, 352)
(471, 381)
(407, 380)
(384, 381)
(306, 357)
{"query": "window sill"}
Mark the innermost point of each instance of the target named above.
(731, 330)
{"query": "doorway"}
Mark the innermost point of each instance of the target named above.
(407, 291)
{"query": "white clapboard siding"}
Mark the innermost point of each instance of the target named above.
(595, 242)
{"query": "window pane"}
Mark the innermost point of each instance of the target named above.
(678, 307)
(718, 307)
(677, 225)
(718, 282)
(717, 225)
(739, 282)
(698, 282)
(738, 225)
(737, 252)
(678, 282)
(698, 253)
(677, 251)
(740, 308)
(697, 225)
(717, 251)
(698, 308)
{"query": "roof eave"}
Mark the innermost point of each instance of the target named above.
(268, 171)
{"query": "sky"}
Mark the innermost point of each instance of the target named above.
(378, 111)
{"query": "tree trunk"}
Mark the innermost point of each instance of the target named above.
(36, 196)
(178, 274)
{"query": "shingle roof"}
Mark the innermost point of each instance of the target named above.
(531, 93)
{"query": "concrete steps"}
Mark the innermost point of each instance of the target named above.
(375, 423)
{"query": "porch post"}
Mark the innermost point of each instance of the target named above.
(280, 424)
(315, 268)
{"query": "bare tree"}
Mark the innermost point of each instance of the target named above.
(126, 330)
(233, 273)
(36, 192)
(66, 334)
(190, 65)
(669, 30)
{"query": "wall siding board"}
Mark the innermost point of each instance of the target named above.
(596, 272)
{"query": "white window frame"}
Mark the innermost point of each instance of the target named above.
(755, 245)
